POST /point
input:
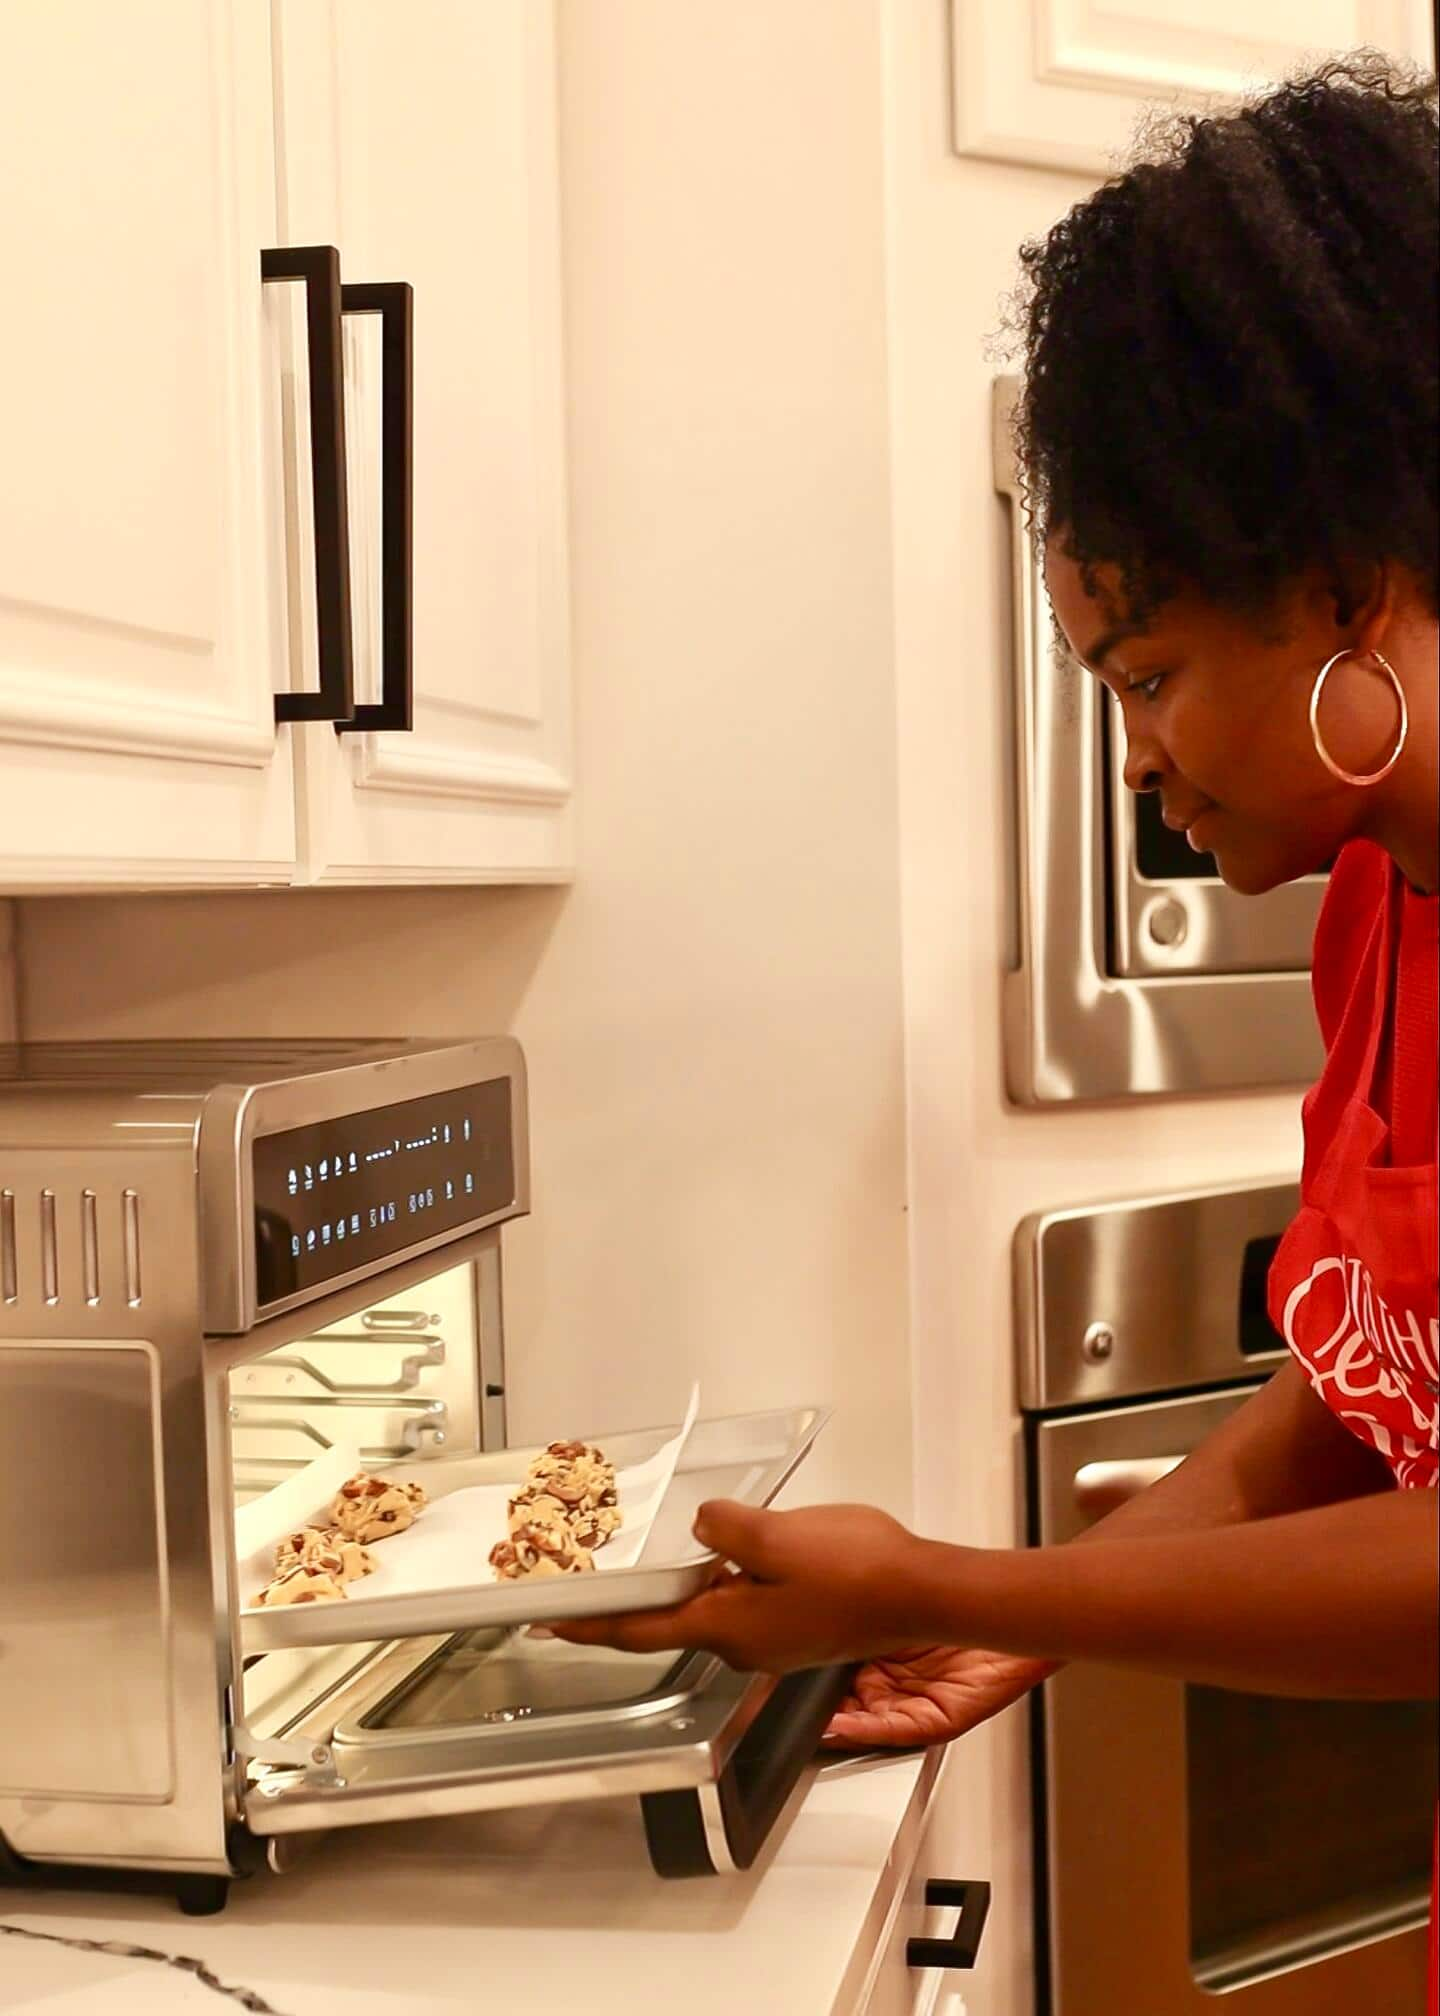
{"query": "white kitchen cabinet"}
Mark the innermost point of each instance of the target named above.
(139, 634)
(422, 142)
(158, 579)
(1062, 83)
(893, 1987)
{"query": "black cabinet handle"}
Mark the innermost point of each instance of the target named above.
(319, 267)
(960, 1949)
(393, 301)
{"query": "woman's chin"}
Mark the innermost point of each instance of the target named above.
(1255, 868)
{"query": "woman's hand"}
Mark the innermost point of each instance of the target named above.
(808, 1589)
(929, 1696)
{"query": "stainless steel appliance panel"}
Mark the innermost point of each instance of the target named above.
(1122, 987)
(85, 1638)
(1117, 1300)
(1157, 1796)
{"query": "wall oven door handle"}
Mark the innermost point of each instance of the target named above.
(394, 302)
(722, 1827)
(963, 1946)
(319, 267)
(1101, 1487)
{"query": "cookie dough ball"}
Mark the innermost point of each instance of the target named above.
(577, 1473)
(538, 1547)
(533, 1504)
(302, 1584)
(327, 1548)
(593, 1528)
(417, 1494)
(368, 1509)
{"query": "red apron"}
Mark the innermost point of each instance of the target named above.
(1353, 1285)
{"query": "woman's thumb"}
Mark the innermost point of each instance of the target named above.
(738, 1532)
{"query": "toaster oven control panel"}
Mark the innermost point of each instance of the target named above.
(336, 1194)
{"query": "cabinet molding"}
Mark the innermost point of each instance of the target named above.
(488, 778)
(126, 722)
(1063, 83)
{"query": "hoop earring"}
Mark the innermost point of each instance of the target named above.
(1351, 776)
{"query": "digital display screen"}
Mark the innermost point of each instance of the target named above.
(334, 1195)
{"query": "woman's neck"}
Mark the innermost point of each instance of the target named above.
(1405, 812)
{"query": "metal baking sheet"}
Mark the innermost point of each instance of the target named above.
(743, 1456)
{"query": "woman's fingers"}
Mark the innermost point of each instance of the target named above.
(679, 1629)
(741, 1533)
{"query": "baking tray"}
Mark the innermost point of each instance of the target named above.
(743, 1456)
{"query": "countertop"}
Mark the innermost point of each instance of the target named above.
(543, 1910)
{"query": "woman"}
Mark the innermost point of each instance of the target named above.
(1228, 432)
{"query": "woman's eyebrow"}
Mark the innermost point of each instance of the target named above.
(1105, 643)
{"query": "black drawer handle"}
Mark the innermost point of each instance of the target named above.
(960, 1949)
(319, 267)
(394, 302)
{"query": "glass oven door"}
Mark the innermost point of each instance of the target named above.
(491, 1719)
(1195, 1841)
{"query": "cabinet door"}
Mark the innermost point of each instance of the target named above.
(1062, 83)
(947, 1851)
(138, 628)
(421, 140)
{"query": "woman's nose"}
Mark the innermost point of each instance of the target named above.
(1144, 765)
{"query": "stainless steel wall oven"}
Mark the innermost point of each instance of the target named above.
(1134, 968)
(1192, 1841)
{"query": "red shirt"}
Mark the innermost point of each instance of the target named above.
(1353, 1285)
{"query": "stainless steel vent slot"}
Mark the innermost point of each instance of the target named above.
(90, 1246)
(130, 1203)
(9, 1260)
(49, 1249)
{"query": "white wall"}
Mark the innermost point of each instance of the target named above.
(978, 1166)
(713, 1014)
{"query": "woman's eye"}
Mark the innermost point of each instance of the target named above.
(1148, 688)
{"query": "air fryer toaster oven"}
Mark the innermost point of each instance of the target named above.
(216, 1261)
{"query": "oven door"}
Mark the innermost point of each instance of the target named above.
(1195, 1841)
(488, 1719)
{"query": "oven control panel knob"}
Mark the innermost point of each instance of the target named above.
(1097, 1343)
(1167, 923)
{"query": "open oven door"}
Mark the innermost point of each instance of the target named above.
(486, 1719)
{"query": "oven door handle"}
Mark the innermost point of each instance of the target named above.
(1101, 1487)
(722, 1827)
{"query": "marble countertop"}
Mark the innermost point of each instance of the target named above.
(537, 1910)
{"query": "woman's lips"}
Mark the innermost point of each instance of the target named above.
(1181, 822)
(1194, 833)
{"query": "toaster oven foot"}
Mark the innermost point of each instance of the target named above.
(197, 1896)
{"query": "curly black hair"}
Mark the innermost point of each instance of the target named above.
(1230, 348)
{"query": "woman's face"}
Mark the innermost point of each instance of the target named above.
(1216, 710)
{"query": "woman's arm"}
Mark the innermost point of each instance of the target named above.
(1335, 1602)
(1280, 1451)
(1215, 1574)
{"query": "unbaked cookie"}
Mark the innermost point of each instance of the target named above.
(327, 1548)
(302, 1584)
(368, 1509)
(542, 1546)
(576, 1473)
